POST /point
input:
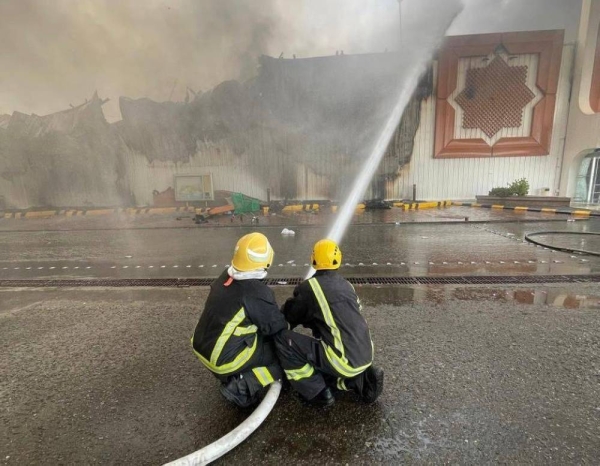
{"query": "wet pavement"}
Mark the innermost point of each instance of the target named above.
(474, 375)
(454, 214)
(369, 249)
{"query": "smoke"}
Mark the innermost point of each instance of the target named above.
(58, 52)
(488, 16)
(61, 51)
(424, 35)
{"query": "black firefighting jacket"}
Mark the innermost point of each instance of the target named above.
(329, 306)
(237, 314)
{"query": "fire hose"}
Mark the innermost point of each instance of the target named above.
(225, 444)
(562, 249)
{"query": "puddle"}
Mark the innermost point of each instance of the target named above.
(399, 295)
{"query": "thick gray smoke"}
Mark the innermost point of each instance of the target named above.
(58, 52)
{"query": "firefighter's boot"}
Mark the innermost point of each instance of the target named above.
(368, 385)
(324, 398)
(237, 391)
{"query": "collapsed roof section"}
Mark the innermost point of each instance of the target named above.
(66, 158)
(300, 127)
(323, 104)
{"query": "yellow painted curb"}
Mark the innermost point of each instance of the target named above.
(426, 205)
(548, 210)
(581, 212)
(521, 208)
(40, 214)
(162, 210)
(293, 208)
(99, 212)
(497, 206)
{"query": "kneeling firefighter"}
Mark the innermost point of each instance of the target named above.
(234, 336)
(341, 352)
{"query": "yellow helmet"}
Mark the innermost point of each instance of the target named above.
(252, 252)
(326, 255)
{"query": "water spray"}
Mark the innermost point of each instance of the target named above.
(228, 442)
(337, 231)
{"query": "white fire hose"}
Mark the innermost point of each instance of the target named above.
(215, 450)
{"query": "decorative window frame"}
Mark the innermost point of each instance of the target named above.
(547, 44)
(595, 88)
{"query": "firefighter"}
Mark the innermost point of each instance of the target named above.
(234, 336)
(341, 353)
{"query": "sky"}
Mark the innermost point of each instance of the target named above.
(58, 52)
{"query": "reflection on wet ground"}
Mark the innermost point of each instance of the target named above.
(453, 214)
(402, 295)
(369, 250)
(565, 240)
(473, 375)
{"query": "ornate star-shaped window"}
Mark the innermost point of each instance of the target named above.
(494, 97)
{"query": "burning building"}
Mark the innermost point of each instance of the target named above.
(492, 108)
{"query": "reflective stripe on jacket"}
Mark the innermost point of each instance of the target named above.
(236, 315)
(329, 306)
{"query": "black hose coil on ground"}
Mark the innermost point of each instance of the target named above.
(556, 248)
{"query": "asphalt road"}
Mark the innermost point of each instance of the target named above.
(369, 249)
(474, 375)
